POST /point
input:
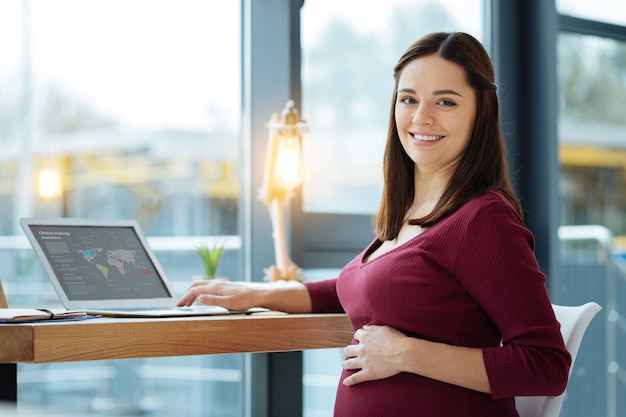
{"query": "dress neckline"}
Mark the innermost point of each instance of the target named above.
(377, 243)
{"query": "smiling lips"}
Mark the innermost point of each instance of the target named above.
(425, 137)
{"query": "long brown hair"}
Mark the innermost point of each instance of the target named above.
(483, 166)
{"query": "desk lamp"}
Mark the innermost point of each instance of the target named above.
(284, 172)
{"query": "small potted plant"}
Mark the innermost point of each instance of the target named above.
(210, 257)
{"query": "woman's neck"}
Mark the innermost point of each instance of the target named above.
(428, 191)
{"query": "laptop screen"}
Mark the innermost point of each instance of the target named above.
(99, 262)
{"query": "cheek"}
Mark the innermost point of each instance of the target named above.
(467, 129)
(402, 117)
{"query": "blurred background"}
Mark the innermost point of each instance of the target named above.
(137, 109)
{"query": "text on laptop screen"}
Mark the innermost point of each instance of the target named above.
(100, 263)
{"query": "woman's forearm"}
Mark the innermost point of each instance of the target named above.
(458, 365)
(287, 296)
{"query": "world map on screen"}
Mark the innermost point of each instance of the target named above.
(123, 260)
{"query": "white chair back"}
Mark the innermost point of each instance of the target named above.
(574, 321)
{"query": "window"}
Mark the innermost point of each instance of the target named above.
(592, 130)
(115, 109)
(592, 152)
(609, 11)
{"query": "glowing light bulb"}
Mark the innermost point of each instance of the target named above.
(288, 172)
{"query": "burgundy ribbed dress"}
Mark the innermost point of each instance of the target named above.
(470, 280)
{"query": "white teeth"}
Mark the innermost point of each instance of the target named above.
(422, 137)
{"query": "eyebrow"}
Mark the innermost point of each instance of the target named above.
(435, 93)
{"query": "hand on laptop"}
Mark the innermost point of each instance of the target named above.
(287, 296)
(221, 292)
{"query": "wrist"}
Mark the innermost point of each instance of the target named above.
(411, 355)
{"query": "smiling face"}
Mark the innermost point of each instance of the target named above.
(435, 112)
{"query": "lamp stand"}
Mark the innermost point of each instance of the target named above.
(284, 269)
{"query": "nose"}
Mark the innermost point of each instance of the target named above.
(422, 116)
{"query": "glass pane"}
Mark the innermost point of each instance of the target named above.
(609, 11)
(347, 77)
(592, 131)
(592, 150)
(118, 109)
(322, 367)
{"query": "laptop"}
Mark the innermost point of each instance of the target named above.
(105, 267)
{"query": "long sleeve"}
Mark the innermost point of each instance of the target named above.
(324, 296)
(496, 264)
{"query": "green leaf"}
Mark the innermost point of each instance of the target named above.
(210, 258)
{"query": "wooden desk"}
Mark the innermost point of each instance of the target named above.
(124, 338)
